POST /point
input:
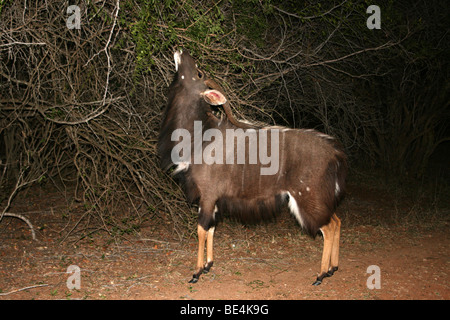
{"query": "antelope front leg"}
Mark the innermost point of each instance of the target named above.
(209, 250)
(201, 251)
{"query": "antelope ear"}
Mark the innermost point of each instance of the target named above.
(214, 97)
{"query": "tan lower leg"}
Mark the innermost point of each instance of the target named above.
(201, 247)
(328, 232)
(335, 247)
(209, 245)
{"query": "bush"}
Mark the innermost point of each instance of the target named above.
(82, 106)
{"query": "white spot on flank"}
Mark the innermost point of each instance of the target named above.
(308, 189)
(299, 193)
(182, 77)
(295, 210)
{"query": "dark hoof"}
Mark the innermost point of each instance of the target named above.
(207, 267)
(194, 279)
(332, 271)
(320, 278)
(325, 275)
(317, 282)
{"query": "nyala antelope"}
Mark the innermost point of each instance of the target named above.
(310, 176)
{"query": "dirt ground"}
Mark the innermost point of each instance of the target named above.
(273, 261)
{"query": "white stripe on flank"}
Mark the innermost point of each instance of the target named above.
(295, 210)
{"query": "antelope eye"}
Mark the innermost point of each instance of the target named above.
(200, 74)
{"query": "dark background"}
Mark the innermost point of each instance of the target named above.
(80, 109)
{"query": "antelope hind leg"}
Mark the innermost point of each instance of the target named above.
(334, 260)
(201, 251)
